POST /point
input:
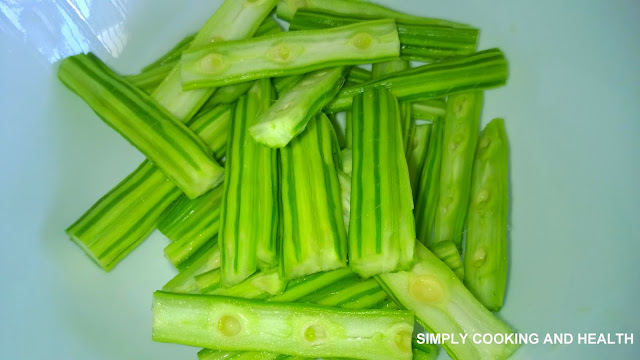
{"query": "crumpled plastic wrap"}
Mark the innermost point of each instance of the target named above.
(59, 28)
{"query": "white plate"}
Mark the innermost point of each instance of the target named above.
(572, 110)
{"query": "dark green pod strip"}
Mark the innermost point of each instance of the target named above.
(429, 184)
(249, 216)
(417, 153)
(127, 214)
(478, 71)
(381, 228)
(360, 9)
(314, 237)
(485, 258)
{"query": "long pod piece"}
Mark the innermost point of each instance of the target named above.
(168, 143)
(485, 258)
(233, 324)
(417, 41)
(290, 53)
(360, 9)
(314, 237)
(126, 215)
(462, 121)
(118, 222)
(381, 227)
(443, 305)
(479, 71)
(249, 215)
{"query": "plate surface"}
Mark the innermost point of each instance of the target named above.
(572, 113)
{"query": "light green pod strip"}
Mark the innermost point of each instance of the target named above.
(172, 55)
(234, 20)
(206, 259)
(478, 71)
(149, 80)
(153, 74)
(314, 237)
(429, 187)
(168, 143)
(358, 75)
(381, 228)
(294, 108)
(485, 258)
(285, 83)
(249, 215)
(388, 67)
(458, 148)
(209, 354)
(425, 351)
(310, 284)
(233, 324)
(227, 95)
(125, 216)
(289, 53)
(345, 191)
(428, 110)
(450, 255)
(417, 153)
(261, 285)
(190, 224)
(443, 305)
(361, 9)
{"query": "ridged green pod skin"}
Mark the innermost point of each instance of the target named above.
(417, 42)
(121, 220)
(234, 324)
(172, 55)
(428, 110)
(381, 227)
(461, 127)
(153, 74)
(313, 236)
(485, 258)
(442, 304)
(388, 67)
(233, 20)
(249, 215)
(126, 215)
(417, 153)
(289, 115)
(206, 259)
(190, 224)
(358, 75)
(479, 71)
(168, 143)
(429, 186)
(289, 53)
(362, 9)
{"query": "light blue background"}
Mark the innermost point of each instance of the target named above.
(572, 110)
